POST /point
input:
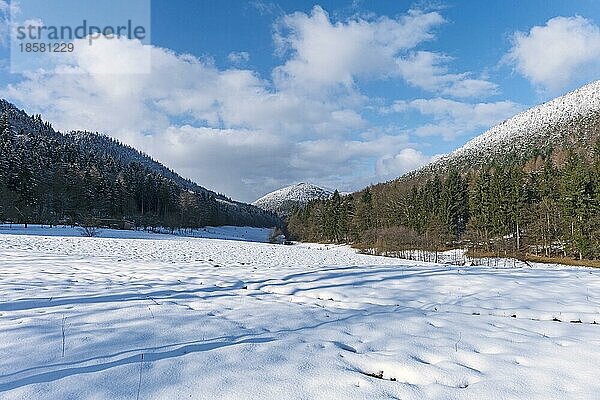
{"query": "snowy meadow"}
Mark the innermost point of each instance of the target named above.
(142, 316)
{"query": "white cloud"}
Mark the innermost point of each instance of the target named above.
(478, 113)
(351, 164)
(452, 119)
(326, 53)
(463, 86)
(234, 162)
(345, 154)
(238, 57)
(178, 86)
(562, 52)
(405, 161)
(428, 70)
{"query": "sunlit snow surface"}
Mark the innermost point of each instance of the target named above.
(239, 320)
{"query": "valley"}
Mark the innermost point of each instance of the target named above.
(159, 316)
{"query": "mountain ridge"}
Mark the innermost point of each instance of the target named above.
(538, 128)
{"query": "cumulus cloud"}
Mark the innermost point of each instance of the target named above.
(563, 51)
(178, 86)
(327, 53)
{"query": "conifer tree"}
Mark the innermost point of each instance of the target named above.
(454, 205)
(576, 201)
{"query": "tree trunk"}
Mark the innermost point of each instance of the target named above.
(518, 239)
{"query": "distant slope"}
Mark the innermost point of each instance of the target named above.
(47, 176)
(568, 121)
(96, 142)
(284, 200)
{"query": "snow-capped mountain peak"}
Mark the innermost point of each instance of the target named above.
(282, 201)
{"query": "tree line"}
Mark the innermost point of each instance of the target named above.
(547, 206)
(52, 178)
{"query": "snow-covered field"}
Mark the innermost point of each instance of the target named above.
(166, 317)
(243, 233)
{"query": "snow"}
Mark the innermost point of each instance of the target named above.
(244, 320)
(284, 199)
(243, 233)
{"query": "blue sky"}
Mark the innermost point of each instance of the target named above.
(247, 96)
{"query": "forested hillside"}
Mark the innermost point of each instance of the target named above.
(540, 196)
(87, 178)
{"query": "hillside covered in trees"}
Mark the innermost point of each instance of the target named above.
(538, 197)
(90, 179)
